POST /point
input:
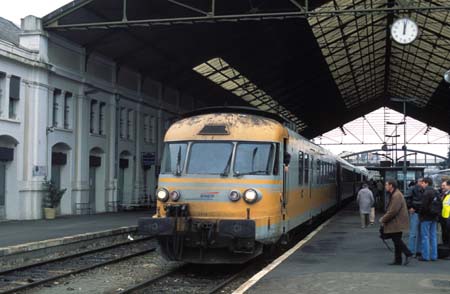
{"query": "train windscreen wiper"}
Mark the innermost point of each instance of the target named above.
(226, 170)
(178, 166)
(255, 172)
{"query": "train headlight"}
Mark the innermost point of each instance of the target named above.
(162, 195)
(234, 196)
(175, 195)
(251, 196)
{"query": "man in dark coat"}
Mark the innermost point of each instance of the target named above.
(395, 221)
(428, 222)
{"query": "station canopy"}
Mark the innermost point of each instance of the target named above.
(318, 63)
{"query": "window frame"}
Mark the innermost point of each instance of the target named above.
(189, 155)
(307, 159)
(272, 160)
(184, 165)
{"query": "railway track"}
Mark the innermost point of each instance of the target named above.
(29, 276)
(211, 279)
(192, 278)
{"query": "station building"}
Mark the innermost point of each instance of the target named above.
(79, 120)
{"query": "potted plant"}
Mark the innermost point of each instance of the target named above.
(51, 199)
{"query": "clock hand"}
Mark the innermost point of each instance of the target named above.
(404, 27)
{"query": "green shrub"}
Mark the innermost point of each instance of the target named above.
(53, 194)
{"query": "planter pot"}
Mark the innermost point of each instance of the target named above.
(49, 213)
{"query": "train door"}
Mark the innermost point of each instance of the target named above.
(301, 173)
(286, 162)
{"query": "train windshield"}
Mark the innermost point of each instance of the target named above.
(254, 159)
(210, 158)
(174, 158)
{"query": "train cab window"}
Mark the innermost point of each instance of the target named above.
(306, 168)
(210, 158)
(174, 158)
(300, 167)
(254, 159)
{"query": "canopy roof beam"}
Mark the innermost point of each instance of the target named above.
(53, 24)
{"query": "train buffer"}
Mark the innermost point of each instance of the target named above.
(343, 258)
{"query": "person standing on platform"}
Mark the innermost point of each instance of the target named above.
(395, 221)
(445, 216)
(365, 201)
(373, 188)
(414, 201)
(428, 220)
(380, 192)
(372, 212)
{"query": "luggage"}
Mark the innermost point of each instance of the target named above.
(436, 205)
(443, 251)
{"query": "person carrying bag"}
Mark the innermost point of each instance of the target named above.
(394, 222)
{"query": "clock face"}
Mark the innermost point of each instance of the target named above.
(447, 76)
(404, 31)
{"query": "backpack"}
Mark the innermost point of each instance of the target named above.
(436, 205)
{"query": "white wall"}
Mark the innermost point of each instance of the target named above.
(46, 63)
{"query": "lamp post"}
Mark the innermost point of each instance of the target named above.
(404, 101)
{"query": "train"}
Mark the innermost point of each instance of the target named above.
(235, 182)
(439, 176)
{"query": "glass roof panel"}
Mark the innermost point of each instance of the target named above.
(220, 72)
(354, 46)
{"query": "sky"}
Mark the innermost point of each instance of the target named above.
(17, 9)
(373, 129)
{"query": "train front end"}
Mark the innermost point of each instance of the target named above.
(219, 191)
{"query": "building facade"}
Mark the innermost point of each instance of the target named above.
(79, 120)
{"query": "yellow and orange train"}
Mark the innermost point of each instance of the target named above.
(234, 181)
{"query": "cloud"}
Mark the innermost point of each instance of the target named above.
(18, 9)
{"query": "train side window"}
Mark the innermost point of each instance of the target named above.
(306, 168)
(318, 170)
(300, 167)
(330, 173)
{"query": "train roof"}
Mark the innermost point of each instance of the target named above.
(226, 126)
(238, 110)
(215, 116)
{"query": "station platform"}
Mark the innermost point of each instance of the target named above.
(343, 258)
(27, 235)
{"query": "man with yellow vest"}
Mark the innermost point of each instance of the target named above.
(445, 217)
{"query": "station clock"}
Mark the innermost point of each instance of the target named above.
(447, 76)
(404, 31)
